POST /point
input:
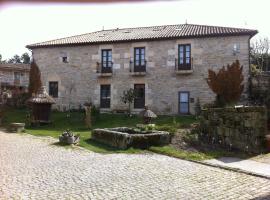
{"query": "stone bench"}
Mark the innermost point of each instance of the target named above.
(16, 127)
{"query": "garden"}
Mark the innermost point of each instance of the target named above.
(74, 121)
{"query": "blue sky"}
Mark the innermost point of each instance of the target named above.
(23, 24)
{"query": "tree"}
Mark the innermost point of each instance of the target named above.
(34, 79)
(227, 83)
(128, 97)
(25, 58)
(259, 54)
(2, 61)
(15, 59)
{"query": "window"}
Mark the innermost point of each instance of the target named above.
(139, 59)
(139, 56)
(236, 48)
(184, 56)
(64, 59)
(139, 101)
(105, 96)
(184, 102)
(53, 89)
(17, 76)
(106, 61)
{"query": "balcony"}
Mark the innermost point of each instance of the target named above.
(137, 70)
(17, 82)
(183, 69)
(103, 71)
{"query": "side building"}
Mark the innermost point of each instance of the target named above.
(14, 76)
(166, 65)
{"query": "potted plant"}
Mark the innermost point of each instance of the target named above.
(68, 137)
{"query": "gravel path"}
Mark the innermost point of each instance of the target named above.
(32, 168)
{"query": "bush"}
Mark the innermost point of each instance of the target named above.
(198, 108)
(18, 100)
(227, 83)
(167, 128)
(95, 112)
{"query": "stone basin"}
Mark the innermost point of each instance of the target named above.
(124, 137)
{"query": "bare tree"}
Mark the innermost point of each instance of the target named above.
(259, 53)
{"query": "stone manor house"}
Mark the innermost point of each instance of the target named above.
(166, 65)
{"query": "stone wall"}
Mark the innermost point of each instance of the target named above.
(8, 77)
(162, 83)
(259, 83)
(240, 128)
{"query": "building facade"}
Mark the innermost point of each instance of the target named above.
(166, 65)
(14, 75)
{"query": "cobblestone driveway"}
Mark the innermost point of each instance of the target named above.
(32, 168)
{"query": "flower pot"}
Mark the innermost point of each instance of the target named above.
(70, 140)
(267, 137)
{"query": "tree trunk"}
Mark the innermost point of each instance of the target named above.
(129, 109)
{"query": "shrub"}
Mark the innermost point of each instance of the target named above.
(128, 97)
(227, 83)
(95, 112)
(167, 128)
(198, 108)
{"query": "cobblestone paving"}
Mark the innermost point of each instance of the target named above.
(33, 168)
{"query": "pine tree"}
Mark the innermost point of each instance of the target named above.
(34, 79)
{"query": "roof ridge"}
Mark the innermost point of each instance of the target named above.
(213, 26)
(173, 25)
(144, 32)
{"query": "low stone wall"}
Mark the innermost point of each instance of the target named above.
(260, 82)
(260, 91)
(123, 138)
(237, 128)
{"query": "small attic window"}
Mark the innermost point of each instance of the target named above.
(64, 57)
(236, 48)
(178, 29)
(127, 31)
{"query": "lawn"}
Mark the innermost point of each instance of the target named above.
(75, 122)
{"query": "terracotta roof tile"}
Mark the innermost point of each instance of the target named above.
(15, 66)
(146, 33)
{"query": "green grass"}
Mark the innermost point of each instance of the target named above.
(188, 155)
(171, 151)
(76, 124)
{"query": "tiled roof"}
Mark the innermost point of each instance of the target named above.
(146, 33)
(15, 66)
(41, 97)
